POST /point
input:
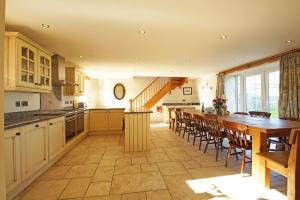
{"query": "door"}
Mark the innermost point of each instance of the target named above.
(44, 69)
(98, 120)
(34, 145)
(12, 158)
(115, 120)
(27, 66)
(79, 123)
(57, 137)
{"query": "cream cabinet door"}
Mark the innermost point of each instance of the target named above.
(98, 120)
(27, 65)
(44, 69)
(115, 120)
(86, 121)
(34, 148)
(81, 86)
(57, 137)
(12, 158)
(77, 82)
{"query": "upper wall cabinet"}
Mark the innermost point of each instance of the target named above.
(27, 65)
(77, 77)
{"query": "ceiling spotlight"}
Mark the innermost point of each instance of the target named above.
(224, 37)
(289, 41)
(142, 32)
(46, 25)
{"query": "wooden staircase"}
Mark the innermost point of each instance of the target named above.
(156, 90)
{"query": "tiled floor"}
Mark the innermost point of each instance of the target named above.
(98, 169)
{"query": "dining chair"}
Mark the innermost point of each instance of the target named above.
(215, 135)
(241, 113)
(179, 122)
(286, 163)
(260, 114)
(282, 142)
(189, 125)
(200, 129)
(238, 139)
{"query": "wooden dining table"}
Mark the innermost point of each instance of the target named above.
(260, 129)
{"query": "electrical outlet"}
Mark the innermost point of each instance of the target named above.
(24, 103)
(18, 103)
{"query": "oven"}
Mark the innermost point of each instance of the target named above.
(70, 126)
(79, 122)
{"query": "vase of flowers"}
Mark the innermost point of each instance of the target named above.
(219, 105)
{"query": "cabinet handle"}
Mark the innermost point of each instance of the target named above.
(35, 83)
(14, 159)
(51, 124)
(40, 84)
(37, 125)
(18, 134)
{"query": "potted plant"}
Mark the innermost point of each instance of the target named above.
(219, 104)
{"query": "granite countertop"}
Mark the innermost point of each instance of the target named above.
(14, 120)
(105, 108)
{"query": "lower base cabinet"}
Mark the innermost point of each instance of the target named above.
(12, 158)
(107, 120)
(57, 137)
(34, 147)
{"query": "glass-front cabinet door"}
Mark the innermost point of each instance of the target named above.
(27, 73)
(44, 65)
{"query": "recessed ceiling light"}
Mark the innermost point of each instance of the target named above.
(223, 36)
(46, 25)
(289, 41)
(80, 56)
(142, 32)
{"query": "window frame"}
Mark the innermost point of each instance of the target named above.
(264, 71)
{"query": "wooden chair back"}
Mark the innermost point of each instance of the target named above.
(213, 127)
(237, 134)
(260, 114)
(178, 115)
(241, 113)
(187, 117)
(200, 120)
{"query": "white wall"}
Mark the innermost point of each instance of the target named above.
(2, 173)
(206, 86)
(10, 99)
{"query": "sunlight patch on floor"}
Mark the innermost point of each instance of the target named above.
(233, 187)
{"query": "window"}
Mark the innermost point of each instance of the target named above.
(254, 90)
(273, 93)
(253, 93)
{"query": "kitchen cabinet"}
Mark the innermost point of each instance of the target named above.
(77, 77)
(12, 158)
(86, 121)
(106, 120)
(34, 147)
(57, 137)
(27, 65)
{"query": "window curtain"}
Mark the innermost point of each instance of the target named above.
(289, 87)
(220, 85)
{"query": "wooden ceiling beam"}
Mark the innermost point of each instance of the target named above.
(259, 62)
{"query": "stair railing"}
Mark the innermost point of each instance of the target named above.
(137, 103)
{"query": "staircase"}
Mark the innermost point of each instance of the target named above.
(156, 90)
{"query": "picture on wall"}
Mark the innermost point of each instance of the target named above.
(187, 91)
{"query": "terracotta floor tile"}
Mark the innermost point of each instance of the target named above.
(76, 188)
(98, 189)
(149, 167)
(127, 183)
(111, 197)
(171, 168)
(55, 172)
(46, 190)
(78, 171)
(127, 169)
(107, 162)
(134, 196)
(103, 174)
(159, 195)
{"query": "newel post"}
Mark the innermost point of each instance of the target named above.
(130, 100)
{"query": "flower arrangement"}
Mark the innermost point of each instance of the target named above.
(219, 104)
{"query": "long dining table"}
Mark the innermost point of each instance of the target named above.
(260, 129)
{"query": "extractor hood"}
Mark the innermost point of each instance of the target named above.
(59, 72)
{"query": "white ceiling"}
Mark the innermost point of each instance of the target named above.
(183, 37)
